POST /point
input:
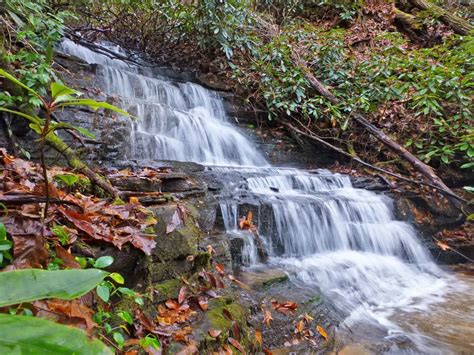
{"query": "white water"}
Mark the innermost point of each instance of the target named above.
(344, 241)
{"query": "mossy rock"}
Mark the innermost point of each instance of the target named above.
(182, 240)
(214, 318)
(166, 290)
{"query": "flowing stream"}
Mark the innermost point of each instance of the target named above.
(324, 232)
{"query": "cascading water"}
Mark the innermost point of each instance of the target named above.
(344, 241)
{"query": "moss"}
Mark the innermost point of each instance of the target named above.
(216, 317)
(202, 261)
(276, 280)
(167, 289)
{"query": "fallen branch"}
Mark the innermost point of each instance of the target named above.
(312, 136)
(458, 24)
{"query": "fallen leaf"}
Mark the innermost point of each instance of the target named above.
(236, 345)
(203, 303)
(182, 295)
(267, 317)
(258, 337)
(66, 257)
(443, 246)
(220, 268)
(300, 326)
(227, 314)
(322, 332)
(214, 333)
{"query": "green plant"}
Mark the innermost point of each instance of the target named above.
(59, 97)
(28, 285)
(5, 246)
(31, 335)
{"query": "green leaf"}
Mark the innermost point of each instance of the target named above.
(103, 292)
(17, 82)
(31, 335)
(5, 245)
(34, 284)
(68, 179)
(3, 231)
(467, 166)
(117, 278)
(94, 105)
(125, 316)
(103, 262)
(150, 340)
(58, 90)
(61, 233)
(32, 119)
(127, 292)
(119, 339)
(85, 132)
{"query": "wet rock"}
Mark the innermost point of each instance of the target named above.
(263, 278)
(370, 183)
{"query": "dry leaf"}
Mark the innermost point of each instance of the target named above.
(267, 317)
(237, 345)
(214, 333)
(443, 246)
(322, 332)
(182, 295)
(258, 337)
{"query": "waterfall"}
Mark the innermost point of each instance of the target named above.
(344, 241)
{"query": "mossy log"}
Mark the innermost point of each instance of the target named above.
(458, 24)
(409, 24)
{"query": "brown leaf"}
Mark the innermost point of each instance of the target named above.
(235, 330)
(191, 349)
(220, 268)
(66, 257)
(236, 345)
(203, 303)
(443, 246)
(258, 337)
(239, 283)
(267, 317)
(300, 326)
(214, 333)
(28, 251)
(172, 304)
(182, 295)
(322, 332)
(227, 314)
(66, 312)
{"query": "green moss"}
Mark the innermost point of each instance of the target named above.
(276, 280)
(216, 317)
(167, 289)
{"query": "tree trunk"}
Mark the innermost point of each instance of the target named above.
(458, 24)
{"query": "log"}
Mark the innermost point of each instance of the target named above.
(458, 24)
(408, 24)
(314, 137)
